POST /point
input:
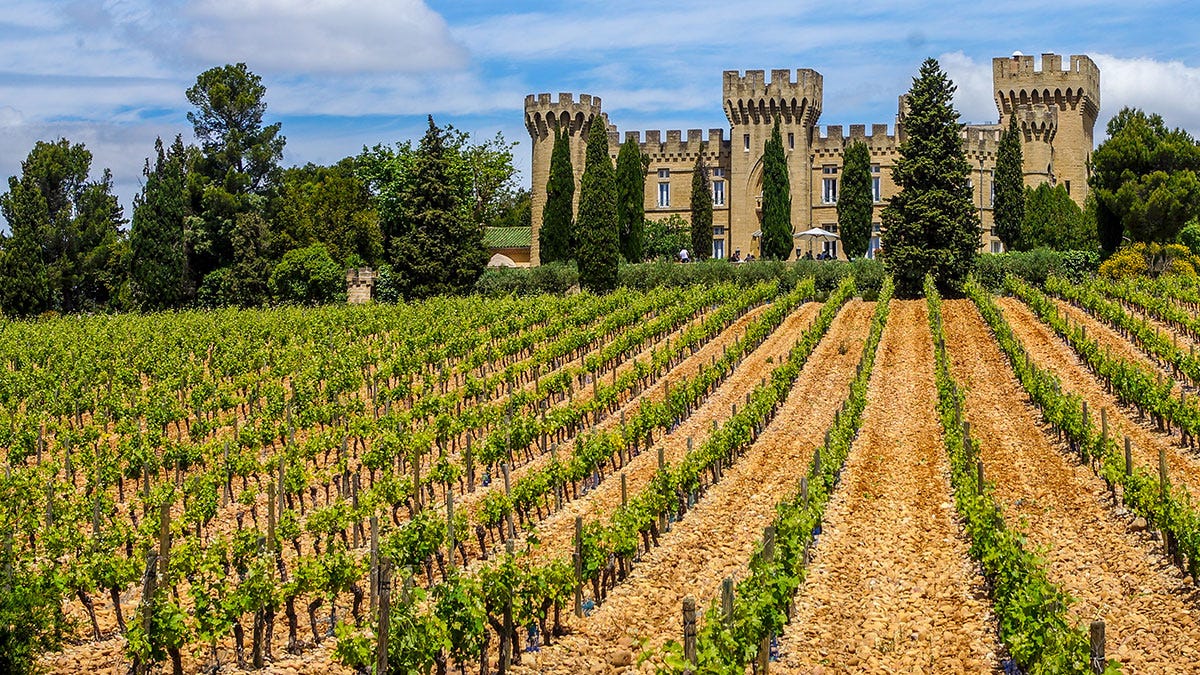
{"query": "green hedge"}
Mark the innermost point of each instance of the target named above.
(1035, 266)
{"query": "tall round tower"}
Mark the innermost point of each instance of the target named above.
(1056, 112)
(752, 104)
(542, 117)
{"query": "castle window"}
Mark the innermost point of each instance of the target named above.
(791, 141)
(718, 172)
(829, 191)
(718, 251)
(993, 181)
(664, 173)
(875, 193)
(664, 195)
(874, 168)
(997, 247)
(718, 230)
(718, 193)
(873, 247)
(746, 142)
(829, 169)
(1067, 183)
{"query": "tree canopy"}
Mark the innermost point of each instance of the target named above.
(931, 226)
(556, 238)
(777, 233)
(702, 210)
(158, 272)
(599, 242)
(631, 199)
(1008, 211)
(1054, 220)
(856, 200)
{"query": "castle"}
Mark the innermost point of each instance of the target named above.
(1056, 111)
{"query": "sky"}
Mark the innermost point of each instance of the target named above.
(343, 74)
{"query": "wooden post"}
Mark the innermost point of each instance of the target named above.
(1096, 638)
(732, 409)
(270, 516)
(979, 476)
(1162, 470)
(1104, 426)
(764, 647)
(689, 630)
(727, 602)
(164, 538)
(374, 564)
(804, 490)
(470, 466)
(662, 462)
(624, 491)
(450, 524)
(385, 614)
(578, 566)
(512, 531)
(689, 444)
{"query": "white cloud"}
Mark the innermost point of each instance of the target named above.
(1169, 88)
(974, 99)
(322, 36)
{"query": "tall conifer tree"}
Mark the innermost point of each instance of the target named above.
(599, 242)
(1008, 211)
(776, 240)
(556, 238)
(702, 210)
(631, 199)
(931, 226)
(158, 262)
(855, 200)
(440, 252)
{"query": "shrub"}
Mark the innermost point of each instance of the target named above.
(1152, 260)
(308, 276)
(557, 278)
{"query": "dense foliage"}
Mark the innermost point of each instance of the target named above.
(931, 226)
(598, 252)
(1053, 220)
(1008, 209)
(631, 200)
(776, 242)
(557, 235)
(855, 202)
(701, 211)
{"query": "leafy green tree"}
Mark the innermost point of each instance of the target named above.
(664, 238)
(631, 199)
(856, 200)
(158, 274)
(1127, 193)
(556, 238)
(331, 206)
(777, 232)
(599, 242)
(1053, 220)
(516, 210)
(438, 251)
(1189, 236)
(1008, 211)
(308, 276)
(931, 226)
(240, 153)
(65, 234)
(702, 211)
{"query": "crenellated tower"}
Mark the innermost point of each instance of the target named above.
(543, 115)
(752, 104)
(1056, 112)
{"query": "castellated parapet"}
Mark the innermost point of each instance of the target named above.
(752, 99)
(833, 139)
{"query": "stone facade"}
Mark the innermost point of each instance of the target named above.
(360, 285)
(1056, 111)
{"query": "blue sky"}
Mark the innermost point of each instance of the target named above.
(341, 74)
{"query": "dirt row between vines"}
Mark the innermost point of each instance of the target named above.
(891, 588)
(1114, 573)
(557, 532)
(1112, 341)
(717, 536)
(1051, 352)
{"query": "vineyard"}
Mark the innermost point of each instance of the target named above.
(736, 478)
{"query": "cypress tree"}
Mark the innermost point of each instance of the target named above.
(855, 200)
(158, 262)
(631, 199)
(556, 238)
(440, 252)
(776, 240)
(1008, 212)
(931, 226)
(599, 242)
(702, 210)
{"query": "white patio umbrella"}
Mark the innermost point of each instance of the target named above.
(816, 234)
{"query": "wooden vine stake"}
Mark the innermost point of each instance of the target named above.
(689, 630)
(727, 602)
(578, 556)
(1096, 639)
(385, 615)
(450, 525)
(1128, 458)
(764, 647)
(374, 573)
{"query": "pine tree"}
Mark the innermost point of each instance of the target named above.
(855, 200)
(440, 252)
(158, 262)
(931, 226)
(556, 238)
(631, 199)
(1008, 211)
(599, 242)
(702, 210)
(777, 239)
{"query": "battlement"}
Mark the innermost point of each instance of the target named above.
(676, 144)
(750, 98)
(833, 139)
(1020, 83)
(543, 113)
